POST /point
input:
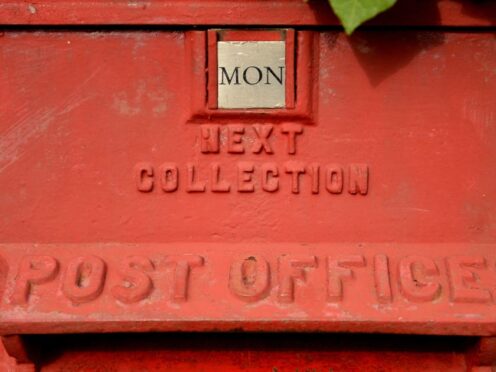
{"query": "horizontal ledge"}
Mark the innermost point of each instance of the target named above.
(82, 325)
(442, 289)
(232, 12)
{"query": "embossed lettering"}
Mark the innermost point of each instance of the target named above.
(270, 177)
(217, 184)
(463, 279)
(416, 281)
(143, 175)
(84, 279)
(334, 179)
(32, 270)
(291, 130)
(194, 185)
(182, 267)
(292, 268)
(338, 270)
(315, 174)
(295, 169)
(249, 174)
(359, 179)
(235, 139)
(169, 177)
(137, 284)
(261, 141)
(209, 139)
(249, 278)
(245, 177)
(382, 279)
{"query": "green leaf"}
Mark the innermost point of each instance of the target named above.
(352, 13)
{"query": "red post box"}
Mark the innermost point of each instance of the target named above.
(218, 166)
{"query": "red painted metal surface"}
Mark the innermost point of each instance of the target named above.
(233, 12)
(129, 204)
(83, 164)
(73, 145)
(388, 288)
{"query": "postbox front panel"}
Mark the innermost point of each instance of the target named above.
(370, 209)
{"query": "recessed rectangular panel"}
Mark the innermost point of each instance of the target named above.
(251, 74)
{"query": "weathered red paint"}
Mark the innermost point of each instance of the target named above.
(284, 286)
(232, 12)
(129, 203)
(69, 149)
